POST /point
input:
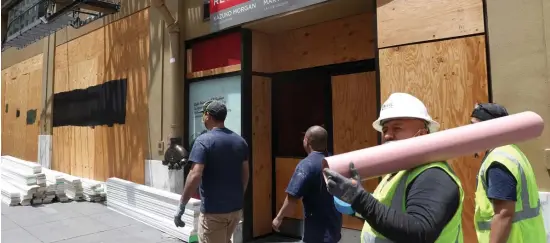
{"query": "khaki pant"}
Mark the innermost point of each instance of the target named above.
(218, 228)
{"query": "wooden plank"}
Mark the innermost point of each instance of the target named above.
(261, 156)
(60, 135)
(449, 77)
(189, 61)
(284, 168)
(262, 55)
(214, 71)
(20, 127)
(353, 109)
(33, 103)
(342, 40)
(408, 21)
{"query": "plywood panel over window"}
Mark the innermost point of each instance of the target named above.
(354, 108)
(408, 21)
(119, 50)
(21, 96)
(449, 77)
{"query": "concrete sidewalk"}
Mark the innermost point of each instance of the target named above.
(81, 222)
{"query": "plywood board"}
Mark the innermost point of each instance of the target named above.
(342, 40)
(354, 107)
(118, 50)
(262, 175)
(408, 21)
(79, 64)
(128, 37)
(21, 91)
(284, 168)
(449, 77)
(262, 55)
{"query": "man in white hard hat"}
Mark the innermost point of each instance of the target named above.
(423, 204)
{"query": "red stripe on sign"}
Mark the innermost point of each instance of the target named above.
(217, 52)
(219, 5)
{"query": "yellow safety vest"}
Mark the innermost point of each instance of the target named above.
(391, 192)
(528, 224)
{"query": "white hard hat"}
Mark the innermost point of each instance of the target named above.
(403, 105)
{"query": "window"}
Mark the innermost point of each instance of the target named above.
(226, 90)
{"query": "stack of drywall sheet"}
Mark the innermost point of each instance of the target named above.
(10, 195)
(41, 185)
(94, 191)
(29, 167)
(25, 177)
(72, 184)
(153, 206)
(55, 179)
(50, 193)
(18, 175)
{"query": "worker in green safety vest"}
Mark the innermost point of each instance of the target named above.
(423, 204)
(507, 197)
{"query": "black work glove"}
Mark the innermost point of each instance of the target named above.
(177, 218)
(343, 188)
(355, 174)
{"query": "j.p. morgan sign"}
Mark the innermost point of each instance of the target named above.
(227, 13)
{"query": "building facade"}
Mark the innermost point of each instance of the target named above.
(280, 66)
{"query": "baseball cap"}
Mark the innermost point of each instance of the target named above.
(488, 111)
(216, 109)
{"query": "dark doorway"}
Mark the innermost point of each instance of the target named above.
(301, 99)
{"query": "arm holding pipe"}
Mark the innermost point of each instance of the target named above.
(431, 201)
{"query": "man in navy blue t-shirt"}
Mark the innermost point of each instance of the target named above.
(501, 184)
(220, 166)
(323, 223)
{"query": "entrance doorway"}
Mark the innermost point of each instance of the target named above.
(342, 98)
(300, 99)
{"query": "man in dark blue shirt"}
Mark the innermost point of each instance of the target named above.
(220, 166)
(323, 223)
(501, 184)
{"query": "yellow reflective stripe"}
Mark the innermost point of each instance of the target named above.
(527, 212)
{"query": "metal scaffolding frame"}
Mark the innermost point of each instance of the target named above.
(45, 17)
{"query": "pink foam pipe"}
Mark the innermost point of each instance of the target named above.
(439, 146)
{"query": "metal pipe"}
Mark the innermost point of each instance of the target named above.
(172, 26)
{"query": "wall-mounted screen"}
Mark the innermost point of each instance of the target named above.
(226, 90)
